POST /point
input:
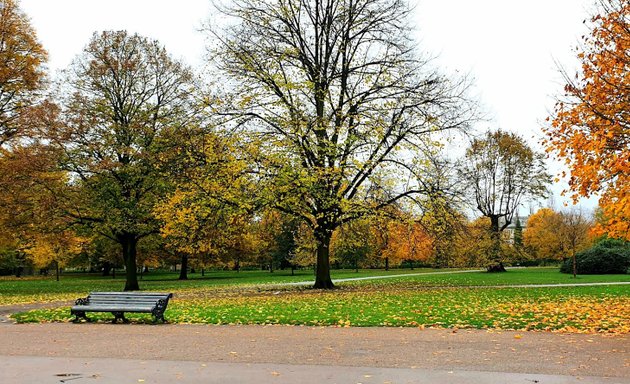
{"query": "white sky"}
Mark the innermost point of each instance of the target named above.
(509, 46)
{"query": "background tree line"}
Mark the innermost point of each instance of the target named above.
(323, 147)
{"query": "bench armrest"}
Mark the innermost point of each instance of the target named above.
(82, 301)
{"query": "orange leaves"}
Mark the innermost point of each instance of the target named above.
(590, 128)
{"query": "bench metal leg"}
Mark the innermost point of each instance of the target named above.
(80, 315)
(158, 314)
(121, 316)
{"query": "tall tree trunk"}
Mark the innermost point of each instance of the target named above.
(322, 273)
(57, 270)
(129, 245)
(387, 263)
(496, 264)
(183, 272)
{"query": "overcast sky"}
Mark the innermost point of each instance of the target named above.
(510, 47)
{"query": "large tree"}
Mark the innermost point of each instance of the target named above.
(502, 170)
(123, 101)
(590, 126)
(22, 75)
(338, 100)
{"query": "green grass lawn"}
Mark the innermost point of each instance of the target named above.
(439, 300)
(28, 290)
(71, 286)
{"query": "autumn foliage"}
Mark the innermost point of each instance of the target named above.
(552, 235)
(22, 58)
(590, 127)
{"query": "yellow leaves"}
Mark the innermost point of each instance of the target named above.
(574, 315)
(344, 323)
(46, 248)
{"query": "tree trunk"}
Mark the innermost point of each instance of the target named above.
(496, 265)
(574, 264)
(322, 273)
(107, 268)
(387, 263)
(183, 271)
(129, 245)
(57, 270)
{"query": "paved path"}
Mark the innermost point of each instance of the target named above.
(336, 281)
(104, 353)
(302, 283)
(74, 370)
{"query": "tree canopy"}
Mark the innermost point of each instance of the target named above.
(124, 102)
(590, 126)
(338, 98)
(502, 170)
(22, 75)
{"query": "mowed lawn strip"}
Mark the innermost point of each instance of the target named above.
(567, 309)
(28, 290)
(43, 290)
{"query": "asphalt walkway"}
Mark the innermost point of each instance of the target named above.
(108, 353)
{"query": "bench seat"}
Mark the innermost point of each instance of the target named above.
(120, 302)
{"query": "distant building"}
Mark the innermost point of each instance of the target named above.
(511, 233)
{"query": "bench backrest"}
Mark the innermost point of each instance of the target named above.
(140, 298)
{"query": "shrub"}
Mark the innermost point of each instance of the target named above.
(606, 257)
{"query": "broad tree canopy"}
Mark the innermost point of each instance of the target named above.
(123, 101)
(339, 100)
(502, 171)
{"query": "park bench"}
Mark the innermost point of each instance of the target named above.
(120, 302)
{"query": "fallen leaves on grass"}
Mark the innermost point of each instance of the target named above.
(575, 310)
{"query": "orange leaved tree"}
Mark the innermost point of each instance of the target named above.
(590, 127)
